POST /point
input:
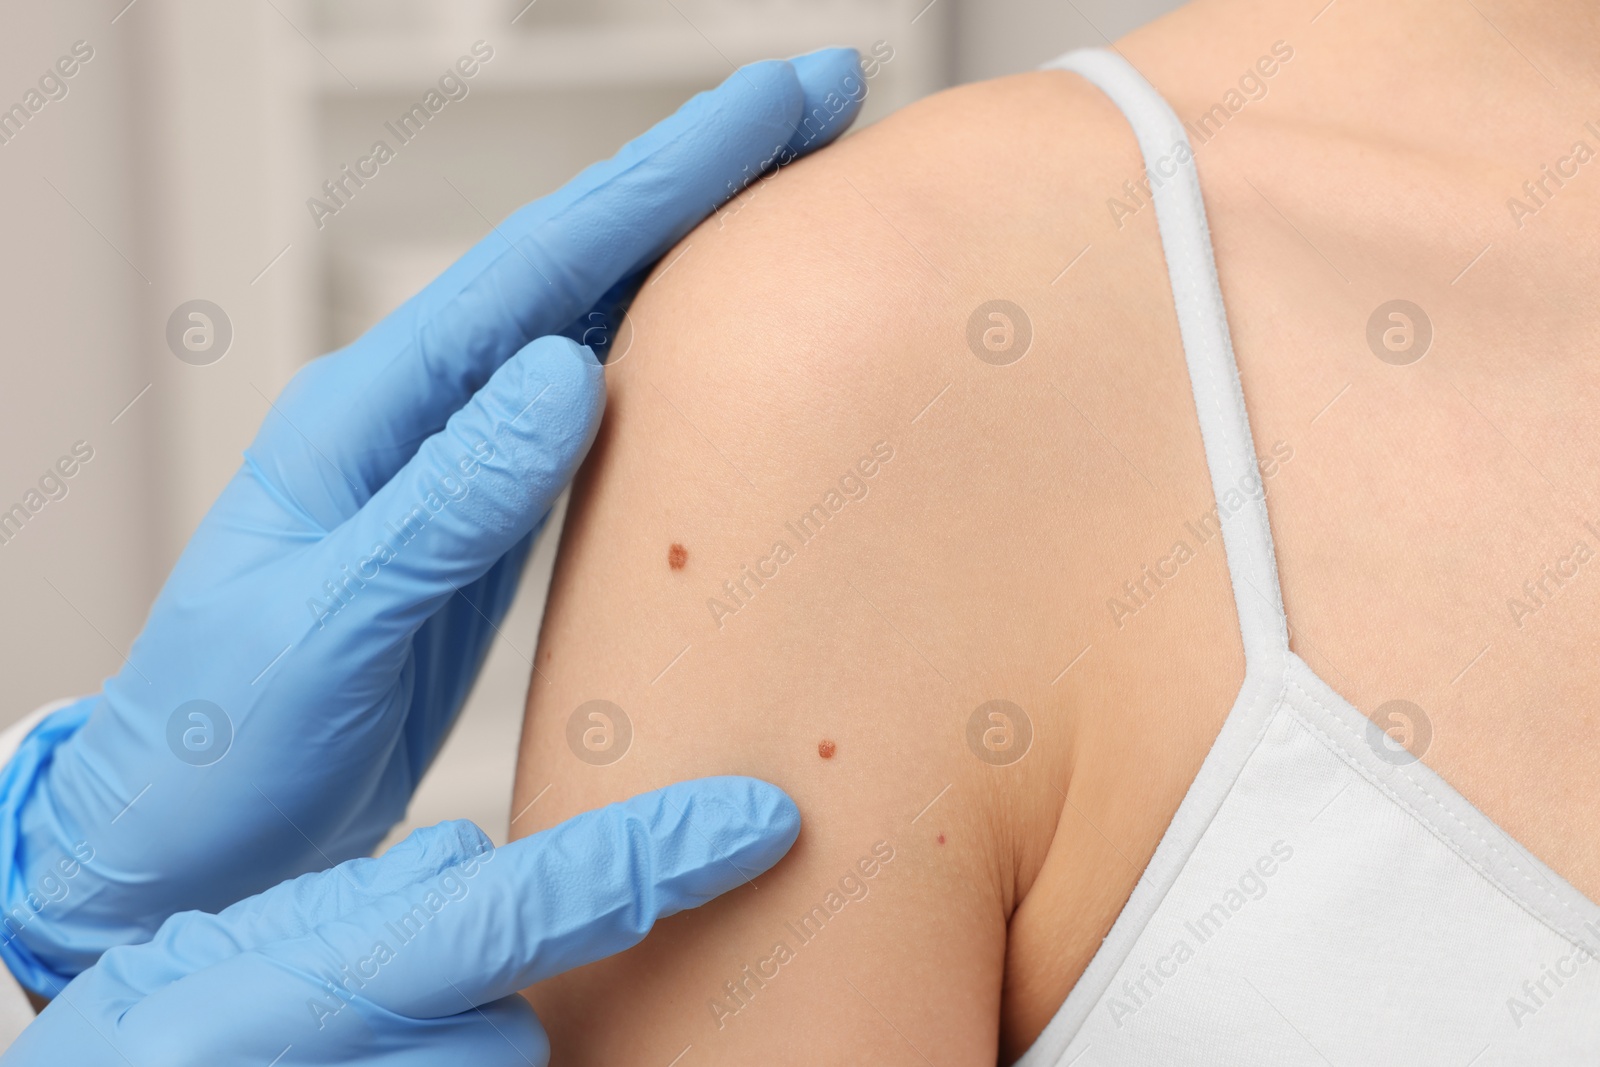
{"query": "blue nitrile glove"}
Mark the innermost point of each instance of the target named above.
(314, 643)
(413, 959)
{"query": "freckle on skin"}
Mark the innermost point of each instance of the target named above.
(826, 749)
(677, 556)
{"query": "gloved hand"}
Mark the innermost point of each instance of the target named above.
(317, 637)
(412, 959)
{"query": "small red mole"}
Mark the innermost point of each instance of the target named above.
(826, 749)
(677, 556)
(941, 839)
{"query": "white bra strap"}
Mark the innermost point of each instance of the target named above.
(1207, 346)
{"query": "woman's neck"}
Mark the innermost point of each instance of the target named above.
(1488, 80)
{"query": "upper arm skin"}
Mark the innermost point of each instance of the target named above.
(810, 347)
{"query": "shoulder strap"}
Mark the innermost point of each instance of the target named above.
(1203, 323)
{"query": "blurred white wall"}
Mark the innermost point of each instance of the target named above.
(177, 167)
(998, 37)
(74, 292)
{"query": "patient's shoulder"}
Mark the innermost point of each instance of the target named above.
(1002, 181)
(978, 239)
(889, 432)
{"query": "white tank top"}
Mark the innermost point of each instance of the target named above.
(1320, 898)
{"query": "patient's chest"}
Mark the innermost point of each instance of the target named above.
(1434, 366)
(1420, 380)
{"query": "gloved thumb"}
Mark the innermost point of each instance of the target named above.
(471, 492)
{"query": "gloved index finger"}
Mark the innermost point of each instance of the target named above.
(365, 409)
(586, 889)
(294, 908)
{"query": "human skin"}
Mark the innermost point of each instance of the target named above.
(828, 311)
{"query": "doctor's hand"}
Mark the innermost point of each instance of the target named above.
(311, 648)
(413, 959)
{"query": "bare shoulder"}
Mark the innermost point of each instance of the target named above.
(991, 187)
(884, 437)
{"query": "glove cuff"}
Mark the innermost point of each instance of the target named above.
(20, 777)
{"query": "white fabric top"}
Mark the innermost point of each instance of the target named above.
(1320, 897)
(15, 1010)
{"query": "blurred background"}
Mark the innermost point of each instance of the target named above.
(178, 165)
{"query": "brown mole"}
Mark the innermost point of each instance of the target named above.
(677, 556)
(826, 749)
